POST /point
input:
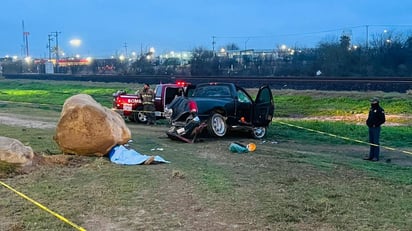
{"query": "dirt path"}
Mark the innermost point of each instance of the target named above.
(25, 121)
(47, 123)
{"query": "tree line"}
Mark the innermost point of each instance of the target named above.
(384, 55)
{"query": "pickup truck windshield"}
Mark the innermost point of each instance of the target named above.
(212, 91)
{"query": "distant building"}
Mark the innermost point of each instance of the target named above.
(183, 58)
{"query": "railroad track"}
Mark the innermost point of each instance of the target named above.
(387, 84)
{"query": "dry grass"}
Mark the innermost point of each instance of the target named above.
(280, 186)
(288, 183)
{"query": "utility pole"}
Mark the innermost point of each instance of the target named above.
(247, 40)
(26, 35)
(125, 47)
(367, 36)
(25, 40)
(56, 35)
(213, 44)
(48, 45)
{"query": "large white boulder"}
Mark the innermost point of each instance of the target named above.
(87, 128)
(13, 151)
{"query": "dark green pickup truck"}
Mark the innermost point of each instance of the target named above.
(226, 106)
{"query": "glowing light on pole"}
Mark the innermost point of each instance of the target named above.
(75, 42)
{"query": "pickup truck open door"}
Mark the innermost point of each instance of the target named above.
(263, 107)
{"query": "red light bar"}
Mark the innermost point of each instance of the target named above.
(181, 83)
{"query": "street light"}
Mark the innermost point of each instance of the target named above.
(247, 40)
(27, 59)
(75, 42)
(386, 37)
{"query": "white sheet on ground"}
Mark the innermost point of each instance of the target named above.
(121, 155)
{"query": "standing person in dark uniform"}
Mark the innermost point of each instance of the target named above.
(375, 119)
(148, 103)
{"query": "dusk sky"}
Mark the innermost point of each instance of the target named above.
(105, 27)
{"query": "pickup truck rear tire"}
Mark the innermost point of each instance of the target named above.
(258, 132)
(140, 116)
(216, 125)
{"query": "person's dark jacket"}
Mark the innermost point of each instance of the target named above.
(376, 116)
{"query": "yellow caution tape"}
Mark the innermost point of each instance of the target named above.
(343, 137)
(43, 207)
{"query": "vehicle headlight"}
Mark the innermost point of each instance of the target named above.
(168, 113)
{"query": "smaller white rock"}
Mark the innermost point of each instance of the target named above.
(13, 151)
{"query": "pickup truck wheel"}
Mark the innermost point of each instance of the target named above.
(140, 116)
(216, 125)
(258, 132)
(132, 118)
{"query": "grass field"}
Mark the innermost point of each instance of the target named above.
(297, 179)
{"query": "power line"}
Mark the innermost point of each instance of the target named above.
(368, 28)
(313, 32)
